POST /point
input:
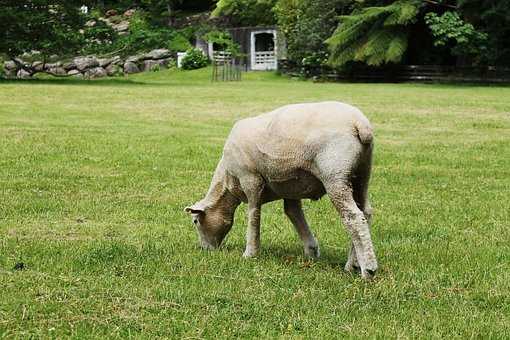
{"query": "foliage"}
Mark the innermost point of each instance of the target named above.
(491, 17)
(449, 30)
(142, 37)
(161, 11)
(179, 43)
(222, 40)
(1, 67)
(99, 38)
(374, 35)
(306, 24)
(194, 59)
(49, 27)
(246, 12)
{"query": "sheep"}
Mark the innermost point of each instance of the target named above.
(299, 151)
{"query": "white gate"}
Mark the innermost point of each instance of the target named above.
(263, 60)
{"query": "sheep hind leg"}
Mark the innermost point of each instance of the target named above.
(294, 211)
(360, 194)
(354, 220)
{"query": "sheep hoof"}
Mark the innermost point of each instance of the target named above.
(249, 253)
(352, 268)
(368, 274)
(312, 252)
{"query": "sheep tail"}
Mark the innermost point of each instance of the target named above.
(365, 133)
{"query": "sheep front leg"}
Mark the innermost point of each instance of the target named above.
(253, 187)
(352, 259)
(253, 231)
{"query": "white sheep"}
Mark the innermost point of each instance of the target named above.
(294, 152)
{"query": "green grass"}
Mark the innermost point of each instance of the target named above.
(94, 177)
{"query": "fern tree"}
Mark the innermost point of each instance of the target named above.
(373, 35)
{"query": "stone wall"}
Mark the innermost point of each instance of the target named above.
(90, 67)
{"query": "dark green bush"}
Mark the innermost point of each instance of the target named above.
(194, 59)
(179, 43)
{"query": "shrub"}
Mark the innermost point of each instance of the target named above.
(179, 43)
(98, 39)
(194, 59)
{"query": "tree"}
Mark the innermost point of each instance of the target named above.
(161, 9)
(374, 35)
(493, 18)
(461, 38)
(246, 12)
(50, 27)
(306, 25)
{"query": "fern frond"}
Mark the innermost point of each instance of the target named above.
(396, 48)
(373, 35)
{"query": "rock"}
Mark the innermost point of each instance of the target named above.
(19, 266)
(104, 62)
(52, 65)
(158, 54)
(111, 13)
(113, 70)
(83, 63)
(167, 62)
(26, 55)
(75, 74)
(129, 13)
(69, 66)
(121, 27)
(10, 65)
(134, 58)
(150, 65)
(130, 67)
(22, 74)
(116, 60)
(57, 71)
(10, 74)
(95, 72)
(90, 23)
(38, 66)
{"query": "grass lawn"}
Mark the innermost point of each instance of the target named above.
(94, 176)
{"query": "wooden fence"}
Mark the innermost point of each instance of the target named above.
(405, 73)
(226, 68)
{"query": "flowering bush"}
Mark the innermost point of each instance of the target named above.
(194, 59)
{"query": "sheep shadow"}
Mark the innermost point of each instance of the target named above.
(330, 259)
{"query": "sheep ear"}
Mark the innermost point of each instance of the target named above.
(197, 208)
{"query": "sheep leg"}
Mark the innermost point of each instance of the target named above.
(352, 260)
(294, 211)
(354, 220)
(360, 193)
(253, 186)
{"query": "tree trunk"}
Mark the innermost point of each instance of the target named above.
(170, 13)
